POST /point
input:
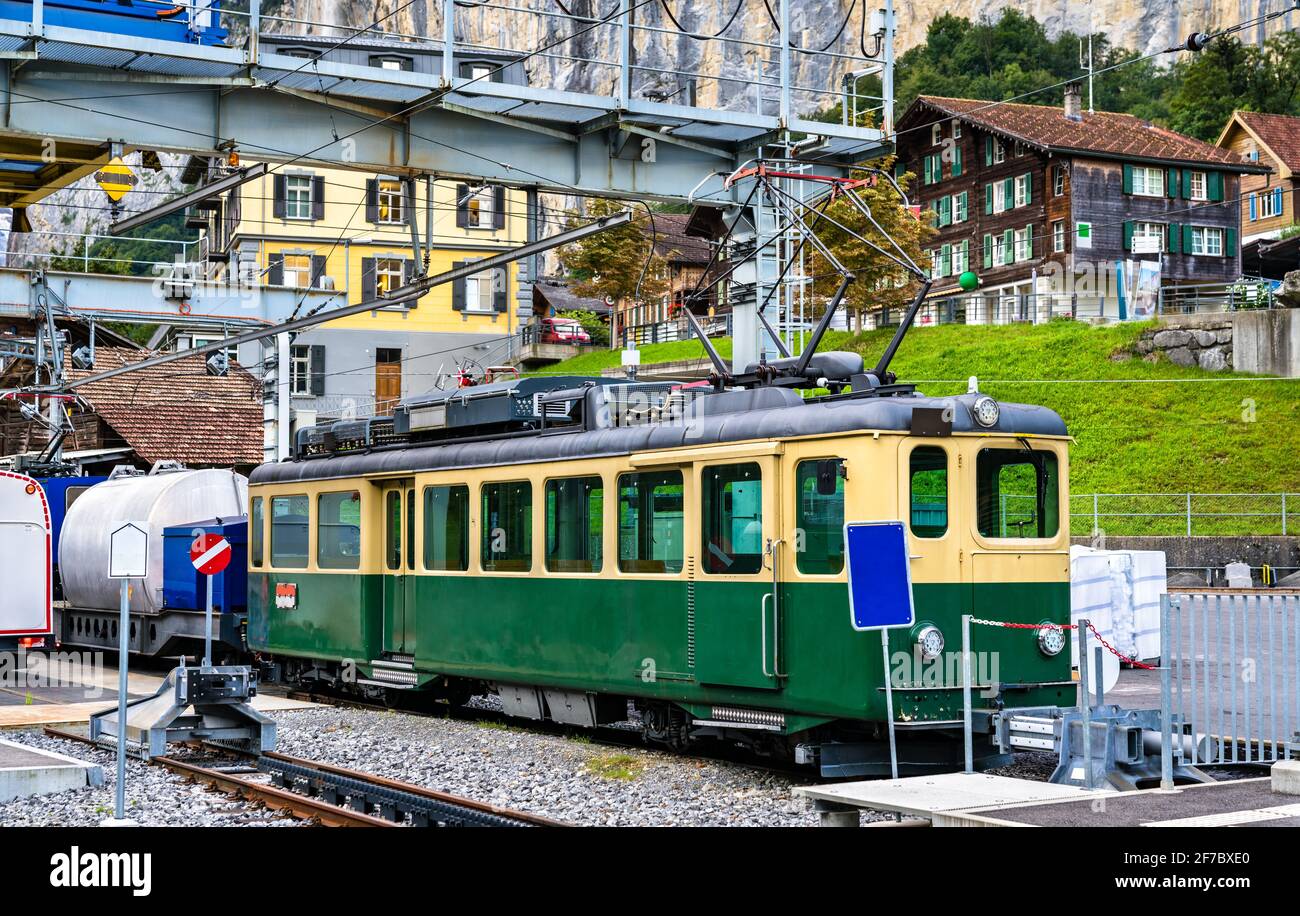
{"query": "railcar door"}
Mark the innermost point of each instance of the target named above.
(738, 589)
(398, 501)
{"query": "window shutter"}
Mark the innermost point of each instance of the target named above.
(1008, 193)
(926, 165)
(500, 290)
(1252, 206)
(458, 286)
(277, 196)
(499, 208)
(1171, 183)
(1173, 234)
(367, 279)
(372, 200)
(462, 206)
(956, 161)
(1128, 178)
(318, 197)
(1009, 246)
(988, 250)
(1187, 239)
(988, 150)
(1029, 188)
(945, 259)
(945, 211)
(317, 369)
(965, 254)
(1187, 184)
(1128, 235)
(408, 275)
(317, 270)
(1029, 241)
(1214, 184)
(275, 275)
(988, 198)
(1277, 200)
(1229, 242)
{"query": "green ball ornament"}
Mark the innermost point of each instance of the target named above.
(968, 280)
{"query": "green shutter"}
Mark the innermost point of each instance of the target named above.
(1229, 243)
(988, 150)
(945, 259)
(988, 250)
(1009, 193)
(956, 161)
(1214, 183)
(1128, 235)
(1187, 184)
(1009, 246)
(1173, 235)
(1187, 239)
(925, 169)
(965, 254)
(1029, 241)
(988, 198)
(1029, 188)
(1128, 178)
(1171, 183)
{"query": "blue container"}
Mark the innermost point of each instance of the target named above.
(60, 492)
(185, 588)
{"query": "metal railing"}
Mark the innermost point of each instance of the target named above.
(1180, 514)
(1230, 679)
(679, 328)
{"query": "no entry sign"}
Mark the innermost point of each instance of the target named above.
(210, 553)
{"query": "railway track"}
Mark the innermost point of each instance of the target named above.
(331, 795)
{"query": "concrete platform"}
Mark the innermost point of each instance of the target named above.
(931, 796)
(94, 689)
(1243, 802)
(25, 771)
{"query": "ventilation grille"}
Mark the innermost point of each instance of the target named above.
(690, 612)
(749, 716)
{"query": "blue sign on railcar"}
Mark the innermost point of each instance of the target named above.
(880, 575)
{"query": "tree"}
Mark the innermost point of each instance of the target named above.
(880, 281)
(1229, 75)
(610, 264)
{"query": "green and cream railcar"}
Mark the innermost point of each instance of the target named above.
(693, 566)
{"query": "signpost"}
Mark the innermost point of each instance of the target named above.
(880, 594)
(128, 558)
(210, 554)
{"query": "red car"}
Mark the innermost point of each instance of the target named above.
(564, 331)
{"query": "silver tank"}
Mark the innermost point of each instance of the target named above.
(164, 497)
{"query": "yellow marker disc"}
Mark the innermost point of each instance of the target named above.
(116, 179)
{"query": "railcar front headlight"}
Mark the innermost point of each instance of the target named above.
(930, 641)
(986, 412)
(1051, 639)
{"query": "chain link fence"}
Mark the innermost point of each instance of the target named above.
(1182, 514)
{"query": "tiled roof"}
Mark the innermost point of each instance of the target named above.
(178, 411)
(1280, 133)
(672, 242)
(1104, 133)
(558, 295)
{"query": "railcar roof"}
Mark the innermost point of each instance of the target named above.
(735, 416)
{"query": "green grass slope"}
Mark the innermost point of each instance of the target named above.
(1140, 427)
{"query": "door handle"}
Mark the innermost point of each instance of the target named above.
(762, 621)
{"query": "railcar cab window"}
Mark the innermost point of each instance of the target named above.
(289, 531)
(650, 515)
(255, 534)
(507, 522)
(575, 509)
(1017, 493)
(820, 516)
(446, 528)
(338, 530)
(732, 502)
(393, 529)
(928, 491)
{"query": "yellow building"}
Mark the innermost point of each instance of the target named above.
(309, 227)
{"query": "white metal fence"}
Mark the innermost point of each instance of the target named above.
(1180, 514)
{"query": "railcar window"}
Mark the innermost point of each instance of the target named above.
(819, 550)
(255, 532)
(650, 522)
(574, 524)
(289, 531)
(393, 529)
(928, 476)
(733, 519)
(1017, 493)
(338, 530)
(507, 516)
(446, 528)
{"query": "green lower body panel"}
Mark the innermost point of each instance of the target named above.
(703, 644)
